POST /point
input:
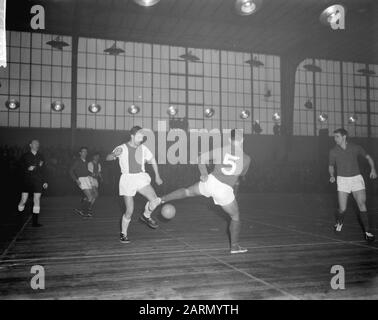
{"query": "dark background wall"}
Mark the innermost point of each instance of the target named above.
(263, 148)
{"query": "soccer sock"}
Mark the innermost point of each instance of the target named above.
(175, 195)
(234, 232)
(90, 204)
(147, 211)
(363, 220)
(339, 216)
(125, 225)
(85, 205)
(367, 220)
(36, 210)
(371, 221)
(151, 206)
(35, 219)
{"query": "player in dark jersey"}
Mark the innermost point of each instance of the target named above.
(82, 176)
(230, 164)
(34, 179)
(344, 156)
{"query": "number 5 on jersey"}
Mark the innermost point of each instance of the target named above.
(229, 160)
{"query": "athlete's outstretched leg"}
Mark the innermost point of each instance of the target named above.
(182, 193)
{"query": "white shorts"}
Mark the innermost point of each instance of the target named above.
(85, 183)
(222, 193)
(94, 182)
(130, 183)
(350, 184)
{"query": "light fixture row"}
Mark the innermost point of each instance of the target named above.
(58, 106)
(323, 118)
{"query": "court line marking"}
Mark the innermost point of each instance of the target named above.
(285, 293)
(14, 239)
(355, 243)
(158, 252)
(299, 216)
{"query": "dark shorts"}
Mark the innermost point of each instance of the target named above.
(32, 186)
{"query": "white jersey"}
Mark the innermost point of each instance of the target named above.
(132, 160)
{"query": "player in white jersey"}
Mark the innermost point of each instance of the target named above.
(132, 156)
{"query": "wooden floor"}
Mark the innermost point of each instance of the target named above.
(292, 249)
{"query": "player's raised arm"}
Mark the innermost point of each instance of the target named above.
(114, 154)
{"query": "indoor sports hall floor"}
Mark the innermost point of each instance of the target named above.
(292, 249)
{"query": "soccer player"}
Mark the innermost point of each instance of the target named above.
(94, 167)
(80, 174)
(230, 164)
(132, 157)
(344, 156)
(34, 179)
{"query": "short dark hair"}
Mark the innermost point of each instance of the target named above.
(342, 131)
(30, 141)
(134, 130)
(82, 148)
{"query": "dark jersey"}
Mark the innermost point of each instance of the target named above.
(346, 161)
(34, 179)
(229, 164)
(79, 169)
(37, 161)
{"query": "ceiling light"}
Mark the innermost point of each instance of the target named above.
(247, 7)
(94, 108)
(255, 62)
(312, 68)
(308, 104)
(353, 118)
(57, 43)
(276, 117)
(133, 109)
(113, 50)
(172, 111)
(331, 15)
(245, 114)
(323, 117)
(12, 104)
(57, 106)
(190, 57)
(146, 3)
(209, 112)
